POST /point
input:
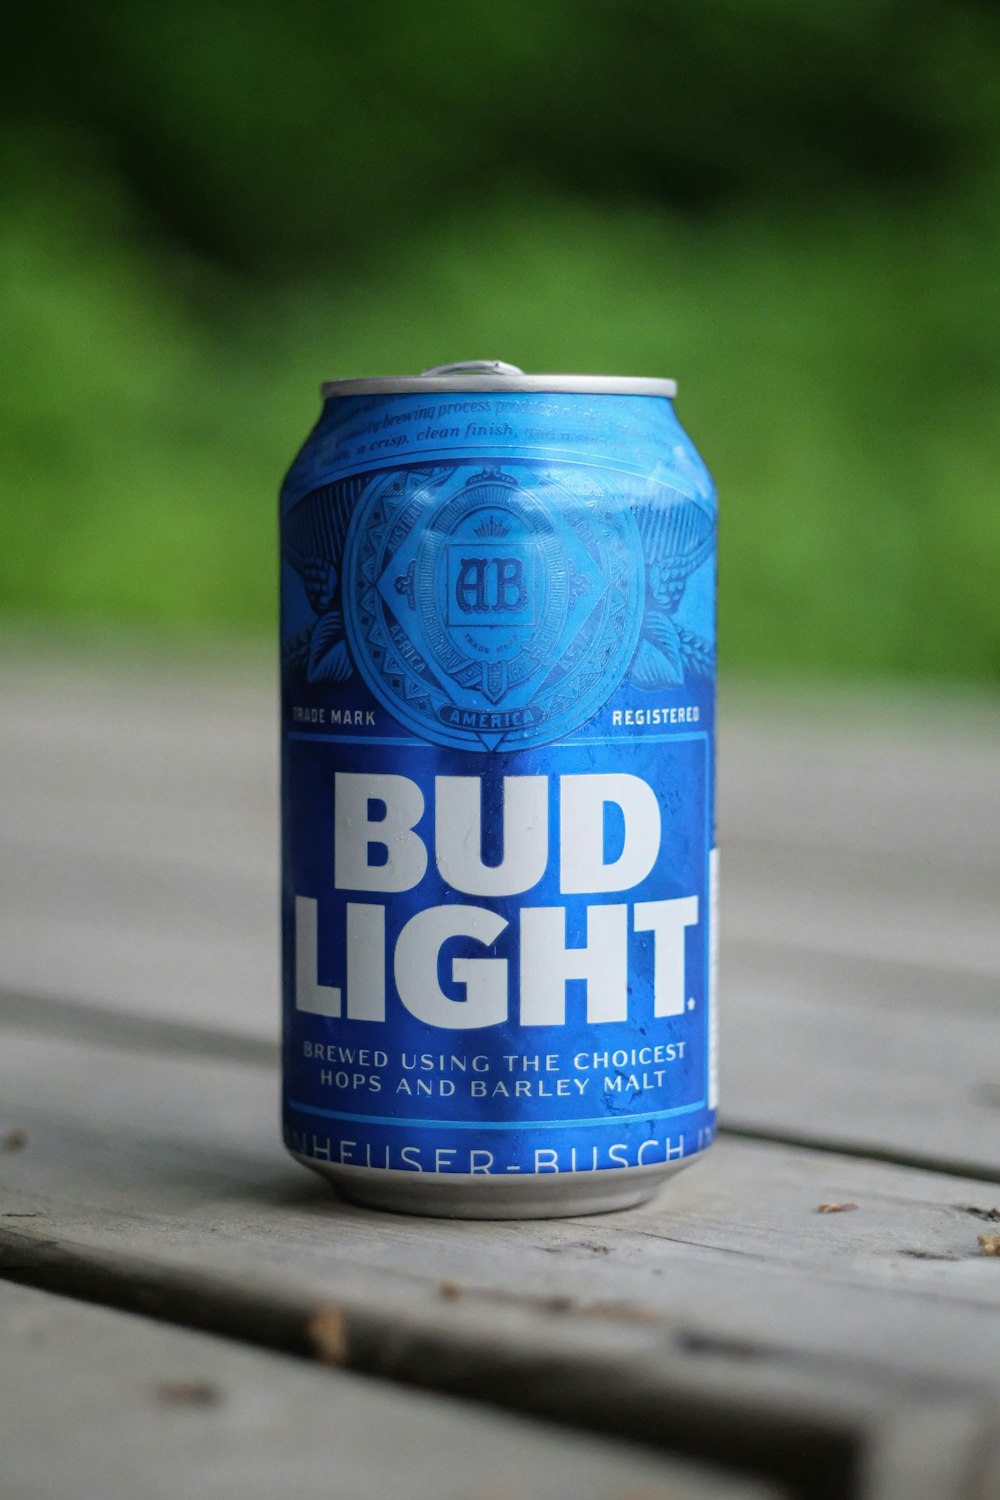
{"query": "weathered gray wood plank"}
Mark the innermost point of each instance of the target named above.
(883, 907)
(138, 844)
(861, 887)
(153, 763)
(137, 873)
(81, 925)
(897, 768)
(95, 1402)
(100, 1123)
(119, 1134)
(730, 1301)
(53, 900)
(167, 975)
(868, 771)
(880, 1057)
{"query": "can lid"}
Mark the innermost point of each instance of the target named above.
(496, 376)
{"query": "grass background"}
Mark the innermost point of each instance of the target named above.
(209, 209)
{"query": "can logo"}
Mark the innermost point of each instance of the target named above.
(486, 608)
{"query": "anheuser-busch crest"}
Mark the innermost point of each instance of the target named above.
(498, 723)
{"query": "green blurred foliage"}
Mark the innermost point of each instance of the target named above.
(793, 210)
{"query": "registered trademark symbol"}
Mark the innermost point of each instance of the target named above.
(690, 1002)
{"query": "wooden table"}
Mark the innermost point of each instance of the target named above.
(185, 1312)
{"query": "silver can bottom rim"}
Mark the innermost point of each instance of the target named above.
(467, 1196)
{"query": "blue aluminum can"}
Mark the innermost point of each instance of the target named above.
(498, 724)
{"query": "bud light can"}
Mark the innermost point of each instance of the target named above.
(498, 723)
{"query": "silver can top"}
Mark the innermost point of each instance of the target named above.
(496, 376)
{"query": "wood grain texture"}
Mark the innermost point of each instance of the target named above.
(878, 907)
(861, 883)
(731, 1302)
(883, 1058)
(855, 1353)
(115, 1131)
(865, 771)
(95, 1402)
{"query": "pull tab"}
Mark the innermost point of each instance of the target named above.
(474, 367)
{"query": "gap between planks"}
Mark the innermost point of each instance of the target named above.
(197, 1415)
(830, 1146)
(846, 1437)
(131, 1032)
(833, 1364)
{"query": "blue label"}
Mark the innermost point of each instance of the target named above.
(498, 675)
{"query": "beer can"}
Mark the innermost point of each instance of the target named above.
(498, 722)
